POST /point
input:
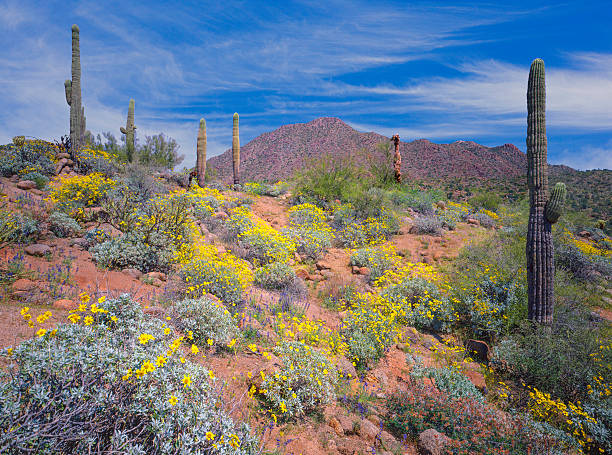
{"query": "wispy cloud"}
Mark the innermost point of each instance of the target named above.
(588, 157)
(279, 64)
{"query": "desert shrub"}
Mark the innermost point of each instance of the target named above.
(309, 230)
(378, 260)
(449, 381)
(72, 193)
(33, 156)
(277, 275)
(207, 320)
(485, 220)
(159, 150)
(420, 303)
(266, 189)
(141, 182)
(99, 386)
(16, 228)
(429, 225)
(131, 251)
(452, 213)
(337, 291)
(153, 231)
(264, 243)
(583, 266)
(35, 176)
(487, 201)
(305, 382)
(95, 160)
(95, 236)
(370, 231)
(421, 201)
(63, 225)
(221, 274)
(475, 428)
(368, 328)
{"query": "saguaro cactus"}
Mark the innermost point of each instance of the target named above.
(543, 212)
(236, 150)
(397, 159)
(129, 132)
(201, 153)
(73, 95)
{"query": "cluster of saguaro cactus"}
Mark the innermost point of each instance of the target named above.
(201, 153)
(129, 132)
(73, 95)
(236, 150)
(543, 211)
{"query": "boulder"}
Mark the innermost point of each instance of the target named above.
(24, 285)
(302, 273)
(364, 271)
(323, 265)
(157, 275)
(478, 349)
(367, 430)
(473, 221)
(26, 185)
(583, 234)
(38, 249)
(335, 424)
(346, 367)
(432, 442)
(64, 304)
(63, 155)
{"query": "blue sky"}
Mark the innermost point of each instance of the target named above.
(444, 71)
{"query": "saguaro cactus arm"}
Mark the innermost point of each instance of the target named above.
(555, 204)
(68, 89)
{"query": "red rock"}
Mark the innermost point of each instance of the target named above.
(478, 349)
(38, 249)
(473, 221)
(64, 304)
(134, 273)
(24, 285)
(335, 424)
(367, 430)
(364, 271)
(26, 185)
(323, 265)
(302, 273)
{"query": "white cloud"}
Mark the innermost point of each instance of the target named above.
(588, 157)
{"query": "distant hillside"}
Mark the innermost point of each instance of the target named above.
(461, 164)
(278, 154)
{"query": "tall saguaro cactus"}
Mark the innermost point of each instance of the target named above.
(73, 95)
(543, 212)
(129, 132)
(397, 159)
(236, 150)
(201, 153)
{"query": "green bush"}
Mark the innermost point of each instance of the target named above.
(488, 201)
(62, 225)
(99, 388)
(277, 275)
(305, 382)
(206, 319)
(130, 251)
(449, 381)
(16, 228)
(374, 259)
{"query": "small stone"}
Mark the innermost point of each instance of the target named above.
(583, 234)
(134, 273)
(364, 271)
(473, 222)
(432, 442)
(64, 304)
(36, 191)
(157, 275)
(335, 424)
(38, 249)
(326, 273)
(26, 185)
(63, 155)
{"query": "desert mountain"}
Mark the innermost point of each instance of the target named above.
(278, 154)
